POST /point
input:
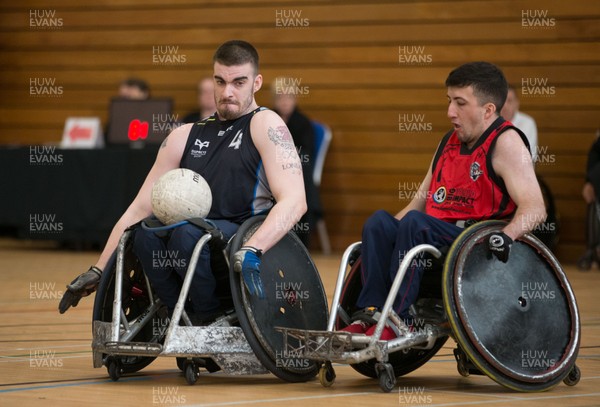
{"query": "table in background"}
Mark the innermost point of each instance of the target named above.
(72, 196)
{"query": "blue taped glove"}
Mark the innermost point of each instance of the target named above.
(247, 261)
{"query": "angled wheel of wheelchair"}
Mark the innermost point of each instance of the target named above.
(136, 299)
(403, 362)
(517, 322)
(295, 298)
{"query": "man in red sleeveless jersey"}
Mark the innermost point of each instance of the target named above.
(482, 169)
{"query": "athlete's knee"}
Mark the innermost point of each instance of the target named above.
(144, 241)
(412, 218)
(378, 220)
(185, 237)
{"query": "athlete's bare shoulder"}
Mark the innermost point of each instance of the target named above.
(177, 138)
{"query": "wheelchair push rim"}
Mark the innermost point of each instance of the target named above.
(518, 321)
(295, 298)
(135, 300)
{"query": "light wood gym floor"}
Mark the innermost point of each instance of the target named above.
(45, 357)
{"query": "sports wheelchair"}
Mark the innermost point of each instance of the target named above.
(516, 322)
(131, 326)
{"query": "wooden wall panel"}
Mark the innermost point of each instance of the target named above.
(352, 59)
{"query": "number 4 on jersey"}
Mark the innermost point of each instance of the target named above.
(237, 140)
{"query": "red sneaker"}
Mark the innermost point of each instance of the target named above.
(386, 334)
(362, 320)
(357, 327)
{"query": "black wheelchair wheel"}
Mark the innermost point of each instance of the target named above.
(135, 301)
(404, 361)
(517, 322)
(294, 299)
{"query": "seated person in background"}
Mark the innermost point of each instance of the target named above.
(130, 89)
(206, 101)
(134, 89)
(235, 150)
(285, 104)
(520, 120)
(591, 188)
(482, 169)
(591, 195)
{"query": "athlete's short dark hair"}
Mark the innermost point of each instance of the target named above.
(236, 52)
(487, 80)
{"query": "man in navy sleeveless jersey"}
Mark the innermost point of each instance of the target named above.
(482, 169)
(248, 157)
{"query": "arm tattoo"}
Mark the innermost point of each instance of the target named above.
(281, 136)
(287, 156)
(164, 143)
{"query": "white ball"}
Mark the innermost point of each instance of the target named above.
(180, 194)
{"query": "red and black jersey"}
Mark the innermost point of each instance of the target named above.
(464, 185)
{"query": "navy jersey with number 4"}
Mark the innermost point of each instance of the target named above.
(223, 153)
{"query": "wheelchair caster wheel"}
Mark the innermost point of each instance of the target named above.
(461, 363)
(192, 372)
(181, 364)
(573, 377)
(462, 369)
(385, 373)
(114, 369)
(326, 375)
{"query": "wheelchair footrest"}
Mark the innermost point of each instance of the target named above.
(320, 345)
(350, 348)
(133, 348)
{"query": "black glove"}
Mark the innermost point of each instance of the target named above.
(85, 284)
(247, 261)
(499, 244)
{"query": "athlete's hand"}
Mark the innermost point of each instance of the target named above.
(499, 245)
(247, 261)
(83, 285)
